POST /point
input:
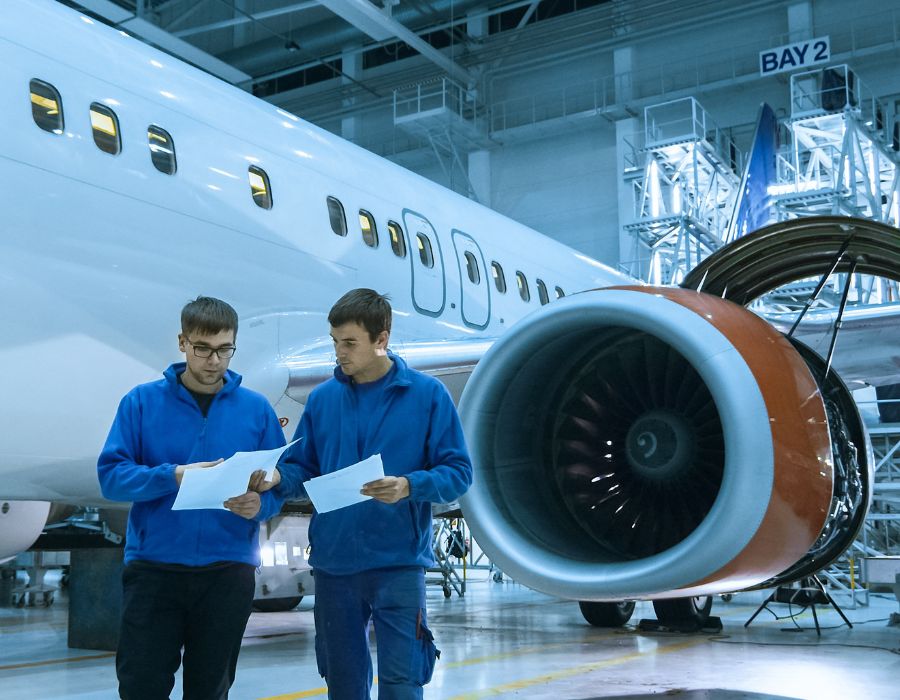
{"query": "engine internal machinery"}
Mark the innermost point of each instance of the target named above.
(642, 442)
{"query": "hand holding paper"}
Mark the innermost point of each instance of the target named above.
(260, 481)
(182, 468)
(389, 489)
(341, 488)
(211, 487)
(246, 505)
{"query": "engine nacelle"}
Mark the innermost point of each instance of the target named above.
(21, 523)
(642, 442)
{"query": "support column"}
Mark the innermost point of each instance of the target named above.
(352, 68)
(480, 175)
(241, 33)
(800, 21)
(479, 162)
(627, 134)
(95, 598)
(7, 583)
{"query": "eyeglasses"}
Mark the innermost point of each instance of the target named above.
(204, 351)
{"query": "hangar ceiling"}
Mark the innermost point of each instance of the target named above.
(278, 48)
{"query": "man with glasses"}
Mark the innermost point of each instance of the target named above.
(189, 575)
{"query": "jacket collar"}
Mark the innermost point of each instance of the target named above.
(175, 370)
(399, 374)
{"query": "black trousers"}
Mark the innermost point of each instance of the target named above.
(202, 611)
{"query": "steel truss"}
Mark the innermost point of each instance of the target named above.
(837, 157)
(450, 120)
(685, 194)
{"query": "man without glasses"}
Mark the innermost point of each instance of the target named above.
(369, 559)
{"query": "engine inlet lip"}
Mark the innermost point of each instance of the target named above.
(744, 494)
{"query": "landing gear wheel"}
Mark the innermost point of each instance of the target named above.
(683, 612)
(607, 614)
(268, 605)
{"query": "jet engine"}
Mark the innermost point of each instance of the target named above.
(655, 443)
(21, 523)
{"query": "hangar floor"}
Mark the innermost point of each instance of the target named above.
(504, 640)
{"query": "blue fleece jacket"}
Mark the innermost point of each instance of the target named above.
(417, 431)
(159, 426)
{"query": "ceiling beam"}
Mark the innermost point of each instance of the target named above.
(372, 21)
(243, 19)
(128, 21)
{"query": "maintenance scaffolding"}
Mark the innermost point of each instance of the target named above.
(684, 192)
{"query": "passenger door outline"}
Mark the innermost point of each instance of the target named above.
(475, 299)
(428, 286)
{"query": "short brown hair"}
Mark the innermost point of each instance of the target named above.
(366, 307)
(208, 316)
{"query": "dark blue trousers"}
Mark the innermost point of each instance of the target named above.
(165, 610)
(394, 601)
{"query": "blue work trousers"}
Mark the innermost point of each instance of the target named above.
(394, 601)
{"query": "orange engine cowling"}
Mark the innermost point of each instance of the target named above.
(643, 442)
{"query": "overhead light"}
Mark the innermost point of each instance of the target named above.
(291, 45)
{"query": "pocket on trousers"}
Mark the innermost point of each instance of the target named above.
(428, 656)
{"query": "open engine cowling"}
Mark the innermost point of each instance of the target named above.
(642, 442)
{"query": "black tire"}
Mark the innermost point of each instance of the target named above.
(607, 614)
(268, 605)
(683, 612)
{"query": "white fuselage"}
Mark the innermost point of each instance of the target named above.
(99, 252)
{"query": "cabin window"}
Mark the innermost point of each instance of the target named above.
(336, 216)
(522, 282)
(499, 277)
(398, 241)
(162, 149)
(46, 106)
(472, 268)
(542, 292)
(426, 256)
(260, 189)
(105, 127)
(369, 232)
(560, 293)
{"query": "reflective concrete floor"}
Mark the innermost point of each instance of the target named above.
(502, 640)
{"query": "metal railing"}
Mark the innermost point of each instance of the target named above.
(580, 99)
(430, 96)
(853, 35)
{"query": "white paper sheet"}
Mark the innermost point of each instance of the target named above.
(210, 487)
(341, 488)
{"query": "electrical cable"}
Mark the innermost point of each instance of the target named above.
(725, 639)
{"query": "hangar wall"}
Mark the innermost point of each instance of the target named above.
(562, 101)
(565, 184)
